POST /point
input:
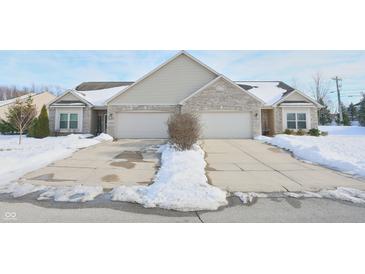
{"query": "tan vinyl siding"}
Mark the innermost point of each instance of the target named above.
(168, 85)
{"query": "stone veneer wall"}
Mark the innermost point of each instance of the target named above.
(278, 120)
(314, 117)
(52, 119)
(113, 110)
(86, 120)
(224, 96)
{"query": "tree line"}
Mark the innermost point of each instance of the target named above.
(13, 91)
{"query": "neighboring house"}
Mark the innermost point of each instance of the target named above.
(39, 100)
(227, 109)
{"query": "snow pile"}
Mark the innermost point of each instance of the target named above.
(345, 194)
(18, 190)
(340, 193)
(104, 137)
(76, 193)
(340, 152)
(180, 184)
(16, 160)
(304, 194)
(249, 197)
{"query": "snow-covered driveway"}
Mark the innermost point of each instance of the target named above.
(343, 149)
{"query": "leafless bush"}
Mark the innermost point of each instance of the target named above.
(184, 130)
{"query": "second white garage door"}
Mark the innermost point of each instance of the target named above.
(142, 125)
(226, 125)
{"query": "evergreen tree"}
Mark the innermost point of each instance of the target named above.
(42, 124)
(324, 114)
(6, 128)
(352, 112)
(33, 128)
(345, 117)
(361, 112)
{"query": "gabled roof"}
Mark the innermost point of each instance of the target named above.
(215, 80)
(161, 66)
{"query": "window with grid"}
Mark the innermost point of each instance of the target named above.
(301, 121)
(73, 120)
(296, 120)
(63, 120)
(291, 121)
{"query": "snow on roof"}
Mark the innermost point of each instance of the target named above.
(5, 102)
(268, 91)
(100, 96)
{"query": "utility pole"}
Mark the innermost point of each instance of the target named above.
(337, 79)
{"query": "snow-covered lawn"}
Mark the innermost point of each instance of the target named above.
(180, 184)
(343, 149)
(16, 160)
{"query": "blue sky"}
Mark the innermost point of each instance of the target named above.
(69, 68)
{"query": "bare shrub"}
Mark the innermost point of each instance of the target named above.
(184, 130)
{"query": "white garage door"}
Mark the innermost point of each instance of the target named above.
(226, 125)
(142, 124)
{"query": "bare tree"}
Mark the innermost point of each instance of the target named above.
(21, 114)
(320, 87)
(294, 82)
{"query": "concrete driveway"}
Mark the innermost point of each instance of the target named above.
(251, 166)
(109, 164)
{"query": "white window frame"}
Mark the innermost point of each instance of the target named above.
(296, 110)
(69, 111)
(296, 120)
(67, 121)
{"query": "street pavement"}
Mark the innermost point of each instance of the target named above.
(102, 210)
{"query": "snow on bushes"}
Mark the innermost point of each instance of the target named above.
(180, 184)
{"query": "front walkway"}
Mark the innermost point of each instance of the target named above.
(251, 166)
(109, 164)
